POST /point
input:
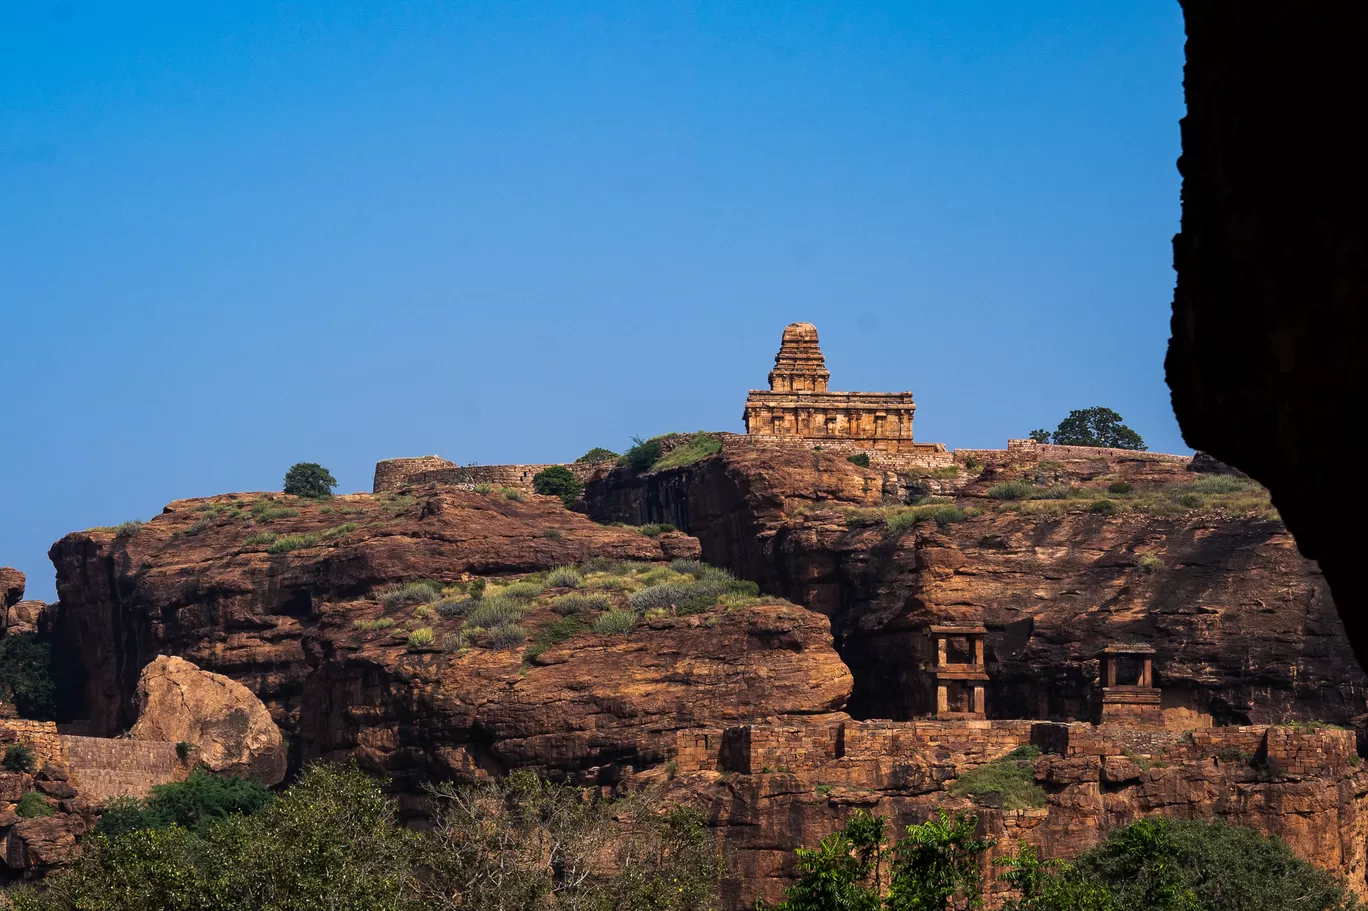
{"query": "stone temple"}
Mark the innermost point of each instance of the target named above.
(798, 403)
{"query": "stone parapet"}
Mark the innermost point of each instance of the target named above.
(104, 768)
(394, 474)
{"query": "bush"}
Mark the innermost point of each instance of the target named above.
(421, 591)
(558, 481)
(580, 604)
(28, 676)
(642, 455)
(655, 528)
(1055, 492)
(265, 511)
(483, 487)
(422, 637)
(1189, 500)
(183, 750)
(193, 804)
(512, 493)
(859, 458)
(597, 455)
(286, 543)
(383, 623)
(1103, 508)
(127, 529)
(695, 449)
(495, 612)
(260, 539)
(18, 758)
(1119, 487)
(940, 513)
(523, 591)
(564, 577)
(32, 805)
(507, 636)
(338, 531)
(616, 620)
(1011, 490)
(1011, 780)
(1222, 484)
(556, 632)
(455, 607)
(689, 567)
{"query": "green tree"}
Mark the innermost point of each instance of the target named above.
(558, 481)
(309, 479)
(195, 803)
(26, 676)
(936, 865)
(643, 454)
(1040, 435)
(842, 872)
(1096, 426)
(596, 455)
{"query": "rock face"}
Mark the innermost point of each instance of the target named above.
(230, 729)
(31, 847)
(1267, 361)
(11, 593)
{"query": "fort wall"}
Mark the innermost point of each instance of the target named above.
(103, 768)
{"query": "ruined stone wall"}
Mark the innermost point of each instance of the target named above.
(1029, 452)
(918, 456)
(393, 474)
(39, 736)
(104, 768)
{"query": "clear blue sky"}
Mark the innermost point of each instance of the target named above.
(238, 235)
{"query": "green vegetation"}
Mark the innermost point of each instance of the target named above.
(28, 676)
(509, 635)
(616, 620)
(1150, 563)
(193, 804)
(596, 456)
(422, 637)
(32, 805)
(1103, 507)
(524, 590)
(483, 487)
(383, 623)
(643, 454)
(421, 591)
(183, 749)
(1096, 426)
(260, 538)
(1011, 490)
(286, 543)
(1009, 781)
(653, 529)
(127, 529)
(580, 604)
(859, 458)
(266, 510)
(556, 632)
(1119, 487)
(512, 493)
(905, 517)
(338, 531)
(18, 758)
(309, 479)
(495, 612)
(564, 577)
(558, 481)
(696, 448)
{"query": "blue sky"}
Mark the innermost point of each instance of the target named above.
(239, 235)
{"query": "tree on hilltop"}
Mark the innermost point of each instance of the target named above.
(1096, 426)
(558, 481)
(309, 479)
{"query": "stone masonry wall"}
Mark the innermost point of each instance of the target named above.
(393, 474)
(39, 736)
(104, 768)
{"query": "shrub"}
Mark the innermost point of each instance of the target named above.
(605, 565)
(28, 677)
(454, 607)
(309, 479)
(183, 749)
(1149, 563)
(495, 612)
(483, 487)
(286, 543)
(1222, 484)
(260, 539)
(18, 758)
(127, 529)
(616, 620)
(477, 589)
(1103, 508)
(689, 567)
(1119, 487)
(506, 636)
(1189, 500)
(558, 481)
(642, 455)
(695, 449)
(512, 493)
(421, 591)
(32, 805)
(1055, 492)
(655, 613)
(940, 513)
(265, 511)
(383, 623)
(422, 637)
(1011, 490)
(1010, 779)
(580, 604)
(455, 642)
(338, 531)
(690, 597)
(655, 528)
(564, 577)
(859, 458)
(524, 590)
(597, 455)
(194, 804)
(424, 612)
(972, 463)
(556, 632)
(127, 814)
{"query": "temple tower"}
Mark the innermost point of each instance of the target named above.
(799, 366)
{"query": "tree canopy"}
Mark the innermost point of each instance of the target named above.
(309, 479)
(1096, 426)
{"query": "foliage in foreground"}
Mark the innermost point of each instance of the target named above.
(192, 804)
(1152, 865)
(558, 481)
(309, 479)
(26, 676)
(331, 841)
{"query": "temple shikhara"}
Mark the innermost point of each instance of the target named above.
(799, 404)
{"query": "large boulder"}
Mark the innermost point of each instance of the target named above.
(229, 727)
(11, 593)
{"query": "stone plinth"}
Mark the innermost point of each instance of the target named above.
(799, 404)
(1134, 702)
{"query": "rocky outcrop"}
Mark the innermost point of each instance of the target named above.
(1269, 338)
(229, 729)
(34, 844)
(11, 593)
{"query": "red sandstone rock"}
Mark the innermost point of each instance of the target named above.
(11, 593)
(37, 845)
(230, 728)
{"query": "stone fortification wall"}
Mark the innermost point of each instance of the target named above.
(104, 768)
(1028, 452)
(392, 474)
(918, 456)
(39, 736)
